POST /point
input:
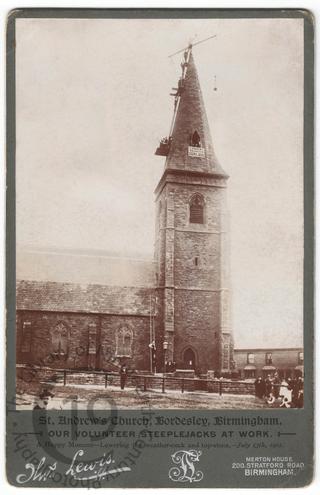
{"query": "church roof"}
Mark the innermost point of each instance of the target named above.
(84, 268)
(191, 117)
(83, 298)
(83, 282)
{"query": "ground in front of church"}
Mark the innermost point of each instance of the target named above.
(97, 397)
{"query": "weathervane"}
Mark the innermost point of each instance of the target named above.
(191, 45)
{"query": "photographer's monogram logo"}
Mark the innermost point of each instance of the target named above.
(185, 470)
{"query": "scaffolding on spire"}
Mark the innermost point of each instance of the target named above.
(165, 143)
(164, 146)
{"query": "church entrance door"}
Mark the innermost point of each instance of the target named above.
(189, 359)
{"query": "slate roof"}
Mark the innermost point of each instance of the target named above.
(66, 297)
(191, 116)
(66, 282)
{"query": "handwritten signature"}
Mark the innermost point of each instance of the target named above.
(79, 470)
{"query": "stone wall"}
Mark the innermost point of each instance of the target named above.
(190, 271)
(197, 327)
(97, 353)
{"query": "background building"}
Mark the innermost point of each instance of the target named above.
(252, 363)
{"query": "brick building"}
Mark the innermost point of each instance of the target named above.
(180, 300)
(252, 363)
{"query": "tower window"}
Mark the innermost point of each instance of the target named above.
(196, 209)
(196, 261)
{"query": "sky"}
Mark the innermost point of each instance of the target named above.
(93, 102)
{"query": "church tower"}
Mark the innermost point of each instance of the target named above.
(191, 248)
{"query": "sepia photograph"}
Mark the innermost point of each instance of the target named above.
(159, 213)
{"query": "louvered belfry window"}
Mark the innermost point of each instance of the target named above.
(197, 209)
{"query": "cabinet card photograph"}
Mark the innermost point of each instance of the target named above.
(160, 235)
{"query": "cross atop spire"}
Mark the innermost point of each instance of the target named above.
(189, 146)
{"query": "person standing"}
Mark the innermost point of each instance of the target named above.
(123, 375)
(300, 392)
(276, 385)
(297, 392)
(268, 385)
(258, 387)
(269, 391)
(285, 394)
(263, 388)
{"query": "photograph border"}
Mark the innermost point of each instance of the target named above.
(306, 414)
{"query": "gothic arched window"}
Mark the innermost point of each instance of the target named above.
(196, 209)
(124, 338)
(60, 339)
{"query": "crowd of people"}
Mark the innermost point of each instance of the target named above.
(285, 392)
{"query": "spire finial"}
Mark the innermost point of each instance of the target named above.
(191, 45)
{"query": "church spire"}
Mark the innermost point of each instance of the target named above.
(189, 146)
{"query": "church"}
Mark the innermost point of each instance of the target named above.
(98, 312)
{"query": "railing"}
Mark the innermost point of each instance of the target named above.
(167, 379)
(164, 382)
